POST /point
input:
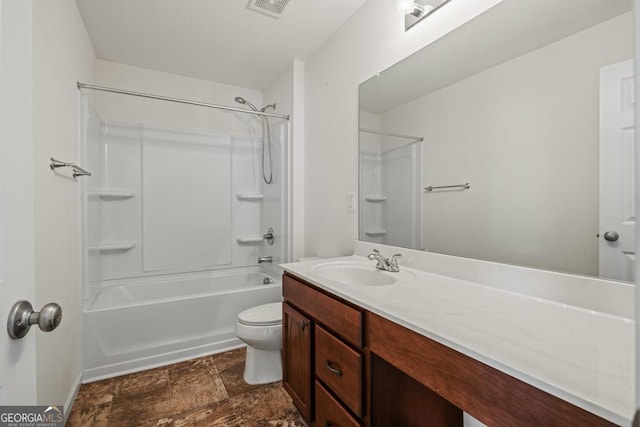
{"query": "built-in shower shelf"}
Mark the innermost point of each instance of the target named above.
(113, 246)
(376, 198)
(112, 194)
(375, 232)
(249, 240)
(250, 197)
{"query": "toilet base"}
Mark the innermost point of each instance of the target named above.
(262, 366)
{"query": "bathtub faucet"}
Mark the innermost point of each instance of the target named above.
(269, 237)
(265, 259)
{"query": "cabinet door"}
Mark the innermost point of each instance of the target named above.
(296, 355)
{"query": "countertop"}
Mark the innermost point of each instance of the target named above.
(583, 356)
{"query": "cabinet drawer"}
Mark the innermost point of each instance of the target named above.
(342, 319)
(340, 368)
(329, 412)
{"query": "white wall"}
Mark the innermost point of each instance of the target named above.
(296, 170)
(371, 40)
(125, 108)
(538, 112)
(62, 55)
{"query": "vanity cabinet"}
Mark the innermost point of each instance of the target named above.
(347, 366)
(332, 392)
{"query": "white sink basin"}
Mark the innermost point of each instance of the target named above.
(357, 273)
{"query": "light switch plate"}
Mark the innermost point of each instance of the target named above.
(351, 201)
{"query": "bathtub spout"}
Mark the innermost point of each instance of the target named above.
(265, 259)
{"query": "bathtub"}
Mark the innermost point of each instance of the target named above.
(132, 325)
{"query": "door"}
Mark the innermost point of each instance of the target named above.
(617, 172)
(296, 358)
(17, 357)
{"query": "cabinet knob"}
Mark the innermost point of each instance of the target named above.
(303, 324)
(333, 370)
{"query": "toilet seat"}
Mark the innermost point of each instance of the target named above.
(262, 315)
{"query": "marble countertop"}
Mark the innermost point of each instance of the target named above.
(580, 355)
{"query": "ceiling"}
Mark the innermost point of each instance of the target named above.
(217, 40)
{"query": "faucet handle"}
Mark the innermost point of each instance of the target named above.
(394, 260)
(377, 252)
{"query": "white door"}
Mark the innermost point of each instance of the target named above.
(617, 171)
(17, 357)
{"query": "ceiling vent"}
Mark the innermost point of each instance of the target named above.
(272, 8)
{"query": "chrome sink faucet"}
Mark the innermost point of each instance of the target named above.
(383, 263)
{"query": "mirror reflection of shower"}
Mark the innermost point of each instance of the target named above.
(266, 135)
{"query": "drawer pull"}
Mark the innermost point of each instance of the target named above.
(333, 370)
(303, 324)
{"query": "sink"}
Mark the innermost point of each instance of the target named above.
(357, 273)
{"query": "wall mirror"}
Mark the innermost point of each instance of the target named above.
(524, 117)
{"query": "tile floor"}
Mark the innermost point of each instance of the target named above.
(208, 391)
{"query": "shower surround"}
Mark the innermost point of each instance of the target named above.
(174, 218)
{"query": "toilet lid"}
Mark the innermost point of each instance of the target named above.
(262, 315)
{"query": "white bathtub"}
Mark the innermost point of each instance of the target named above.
(139, 324)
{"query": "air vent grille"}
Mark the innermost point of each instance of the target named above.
(273, 8)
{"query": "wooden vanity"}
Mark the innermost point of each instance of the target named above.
(346, 366)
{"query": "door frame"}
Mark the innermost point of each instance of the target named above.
(636, 12)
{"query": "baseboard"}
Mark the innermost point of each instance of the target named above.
(68, 404)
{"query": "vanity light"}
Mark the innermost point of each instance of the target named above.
(410, 7)
(416, 10)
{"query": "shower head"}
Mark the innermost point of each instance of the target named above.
(241, 100)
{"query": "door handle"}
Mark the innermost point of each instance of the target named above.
(22, 317)
(611, 236)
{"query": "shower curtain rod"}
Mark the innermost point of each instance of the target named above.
(398, 135)
(178, 100)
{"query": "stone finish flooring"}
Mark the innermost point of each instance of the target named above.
(209, 391)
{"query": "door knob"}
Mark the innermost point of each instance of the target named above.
(611, 236)
(22, 317)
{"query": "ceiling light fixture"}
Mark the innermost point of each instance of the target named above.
(416, 10)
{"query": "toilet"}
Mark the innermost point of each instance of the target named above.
(261, 329)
